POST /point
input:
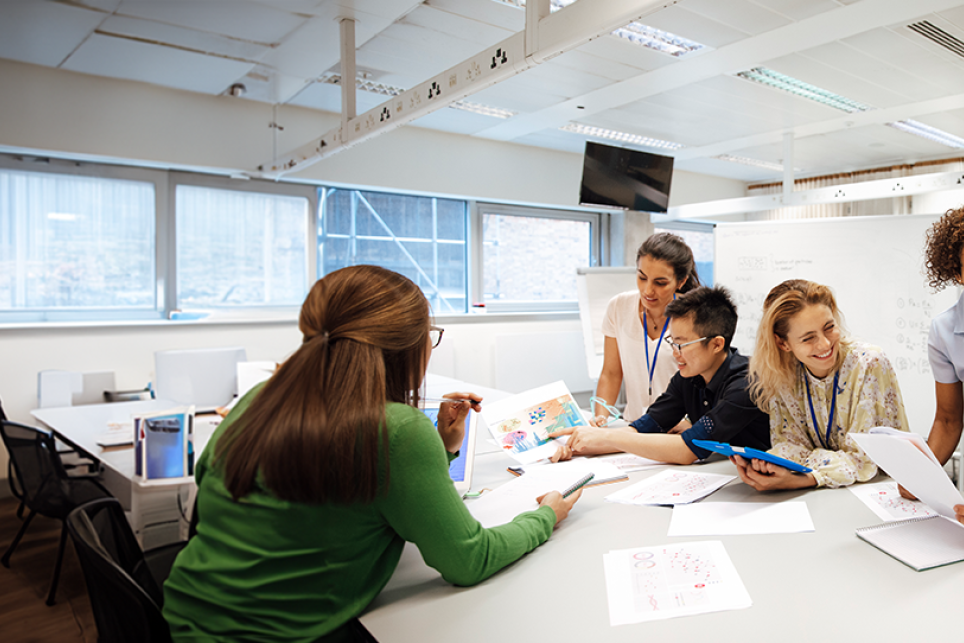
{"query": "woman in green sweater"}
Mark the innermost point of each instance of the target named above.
(310, 487)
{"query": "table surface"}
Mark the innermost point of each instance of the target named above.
(826, 584)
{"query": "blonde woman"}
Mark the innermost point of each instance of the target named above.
(818, 386)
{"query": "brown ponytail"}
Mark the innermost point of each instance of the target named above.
(316, 431)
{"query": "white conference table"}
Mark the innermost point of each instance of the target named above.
(823, 585)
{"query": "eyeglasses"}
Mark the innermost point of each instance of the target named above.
(679, 347)
(435, 335)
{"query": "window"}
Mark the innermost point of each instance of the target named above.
(423, 238)
(240, 248)
(699, 237)
(71, 245)
(530, 257)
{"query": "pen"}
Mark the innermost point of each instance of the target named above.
(449, 399)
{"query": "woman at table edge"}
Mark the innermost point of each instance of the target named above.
(309, 489)
(944, 265)
(818, 386)
(636, 323)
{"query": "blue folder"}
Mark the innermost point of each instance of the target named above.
(747, 452)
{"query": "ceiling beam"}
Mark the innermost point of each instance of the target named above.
(554, 34)
(806, 34)
(863, 191)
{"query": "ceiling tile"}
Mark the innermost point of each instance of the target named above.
(468, 29)
(688, 24)
(239, 19)
(44, 33)
(491, 12)
(741, 15)
(166, 66)
(181, 37)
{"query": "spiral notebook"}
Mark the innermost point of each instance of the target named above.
(921, 543)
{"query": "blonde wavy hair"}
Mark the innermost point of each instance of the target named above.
(771, 368)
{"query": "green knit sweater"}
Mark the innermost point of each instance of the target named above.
(264, 569)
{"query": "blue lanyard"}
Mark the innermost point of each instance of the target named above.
(833, 407)
(652, 370)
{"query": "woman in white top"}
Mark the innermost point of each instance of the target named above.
(944, 255)
(635, 325)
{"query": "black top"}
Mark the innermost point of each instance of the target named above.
(720, 411)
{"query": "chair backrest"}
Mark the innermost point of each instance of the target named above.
(123, 595)
(38, 468)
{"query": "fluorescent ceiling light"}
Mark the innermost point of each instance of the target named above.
(622, 137)
(928, 132)
(635, 32)
(366, 85)
(743, 160)
(485, 110)
(796, 87)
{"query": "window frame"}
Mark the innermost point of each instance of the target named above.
(257, 186)
(45, 165)
(596, 247)
(165, 182)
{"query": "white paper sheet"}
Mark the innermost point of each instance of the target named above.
(670, 487)
(885, 501)
(520, 423)
(602, 471)
(628, 462)
(653, 583)
(501, 505)
(732, 518)
(915, 470)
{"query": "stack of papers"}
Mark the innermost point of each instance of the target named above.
(652, 583)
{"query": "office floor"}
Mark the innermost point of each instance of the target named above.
(24, 617)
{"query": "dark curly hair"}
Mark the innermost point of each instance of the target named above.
(943, 252)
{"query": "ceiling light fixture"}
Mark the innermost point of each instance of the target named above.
(636, 33)
(928, 132)
(622, 137)
(485, 110)
(796, 87)
(237, 90)
(743, 160)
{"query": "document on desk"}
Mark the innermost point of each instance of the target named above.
(735, 518)
(628, 462)
(520, 424)
(501, 505)
(653, 583)
(886, 502)
(670, 487)
(603, 472)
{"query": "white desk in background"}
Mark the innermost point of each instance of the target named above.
(155, 507)
(824, 585)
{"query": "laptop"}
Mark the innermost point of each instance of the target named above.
(460, 469)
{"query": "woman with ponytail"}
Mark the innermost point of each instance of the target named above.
(309, 489)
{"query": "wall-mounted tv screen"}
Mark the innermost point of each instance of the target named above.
(616, 177)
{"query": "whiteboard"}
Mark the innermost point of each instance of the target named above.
(595, 287)
(874, 266)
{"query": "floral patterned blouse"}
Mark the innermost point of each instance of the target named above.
(867, 396)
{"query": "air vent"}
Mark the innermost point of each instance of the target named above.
(939, 36)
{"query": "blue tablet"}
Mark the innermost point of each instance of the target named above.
(747, 452)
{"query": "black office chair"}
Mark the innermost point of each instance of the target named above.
(47, 489)
(124, 583)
